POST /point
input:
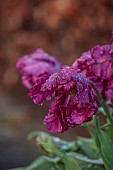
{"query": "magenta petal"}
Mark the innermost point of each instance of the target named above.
(36, 64)
(77, 117)
(97, 65)
(75, 102)
(53, 123)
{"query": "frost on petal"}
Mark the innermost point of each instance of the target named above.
(97, 65)
(75, 102)
(38, 95)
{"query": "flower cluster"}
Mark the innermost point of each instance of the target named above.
(97, 65)
(36, 65)
(74, 101)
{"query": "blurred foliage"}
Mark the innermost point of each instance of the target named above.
(70, 158)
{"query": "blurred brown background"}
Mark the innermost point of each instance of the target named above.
(64, 28)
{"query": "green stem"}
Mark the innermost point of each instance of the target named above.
(103, 104)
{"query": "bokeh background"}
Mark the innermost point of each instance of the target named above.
(64, 28)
